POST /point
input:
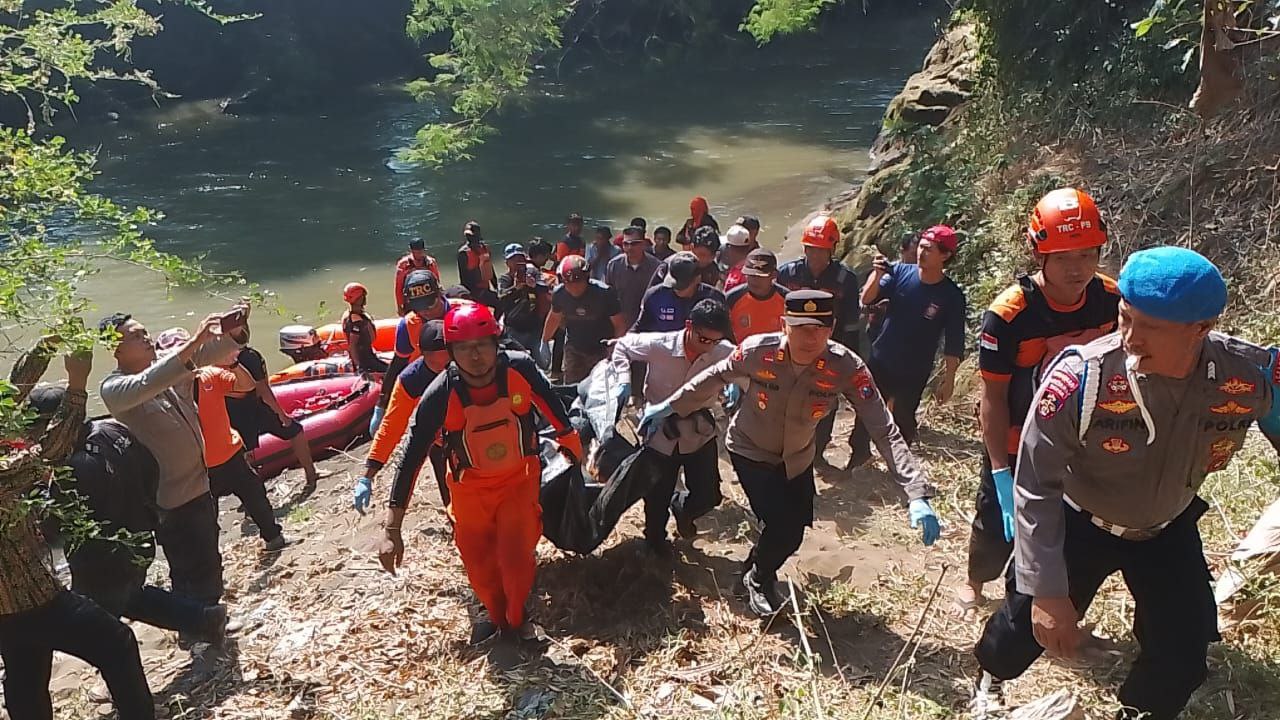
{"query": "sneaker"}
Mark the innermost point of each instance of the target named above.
(214, 630)
(276, 544)
(762, 596)
(988, 697)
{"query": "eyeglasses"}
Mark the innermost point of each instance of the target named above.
(703, 339)
(632, 243)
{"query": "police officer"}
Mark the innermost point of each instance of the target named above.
(790, 382)
(1122, 433)
(819, 270)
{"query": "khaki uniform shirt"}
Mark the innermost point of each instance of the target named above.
(782, 404)
(1130, 449)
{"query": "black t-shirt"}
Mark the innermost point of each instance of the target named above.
(518, 305)
(117, 478)
(360, 332)
(587, 319)
(252, 361)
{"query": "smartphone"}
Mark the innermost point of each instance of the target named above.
(233, 320)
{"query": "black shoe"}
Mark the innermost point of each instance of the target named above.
(762, 595)
(482, 630)
(214, 630)
(686, 529)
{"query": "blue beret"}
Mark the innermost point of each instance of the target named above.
(1174, 284)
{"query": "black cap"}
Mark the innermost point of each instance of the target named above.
(707, 237)
(458, 292)
(682, 271)
(431, 336)
(575, 217)
(113, 321)
(417, 244)
(45, 399)
(750, 222)
(760, 263)
(421, 289)
(472, 229)
(810, 307)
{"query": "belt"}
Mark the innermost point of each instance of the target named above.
(1120, 531)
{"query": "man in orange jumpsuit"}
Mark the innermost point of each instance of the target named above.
(483, 405)
(417, 259)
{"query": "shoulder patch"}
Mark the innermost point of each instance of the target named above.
(1109, 284)
(1057, 387)
(1009, 303)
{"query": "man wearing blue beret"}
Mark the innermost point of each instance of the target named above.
(1120, 436)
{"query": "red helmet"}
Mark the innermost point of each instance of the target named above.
(1064, 220)
(469, 322)
(821, 232)
(354, 291)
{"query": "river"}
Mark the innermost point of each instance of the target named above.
(304, 203)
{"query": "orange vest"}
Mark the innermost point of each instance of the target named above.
(497, 441)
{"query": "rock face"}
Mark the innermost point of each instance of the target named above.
(930, 97)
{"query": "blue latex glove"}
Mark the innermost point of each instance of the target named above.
(624, 393)
(652, 418)
(922, 516)
(731, 395)
(544, 353)
(376, 420)
(1004, 492)
(363, 494)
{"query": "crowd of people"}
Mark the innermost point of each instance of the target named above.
(1103, 405)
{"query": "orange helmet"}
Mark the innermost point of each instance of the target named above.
(821, 232)
(1064, 220)
(354, 291)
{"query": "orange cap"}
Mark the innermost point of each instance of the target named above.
(1064, 220)
(821, 232)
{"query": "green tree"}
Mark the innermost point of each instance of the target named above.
(494, 45)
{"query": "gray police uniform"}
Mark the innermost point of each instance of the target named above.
(1107, 475)
(771, 436)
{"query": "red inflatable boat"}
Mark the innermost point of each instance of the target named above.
(334, 412)
(340, 364)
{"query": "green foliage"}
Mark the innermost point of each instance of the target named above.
(770, 18)
(493, 46)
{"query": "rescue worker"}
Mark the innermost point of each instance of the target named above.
(409, 387)
(590, 314)
(483, 404)
(417, 259)
(475, 266)
(926, 308)
(37, 615)
(1121, 435)
(424, 302)
(358, 327)
(685, 442)
(699, 217)
(736, 245)
(757, 305)
(789, 382)
(1067, 302)
(572, 243)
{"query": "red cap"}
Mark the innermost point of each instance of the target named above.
(943, 236)
(354, 291)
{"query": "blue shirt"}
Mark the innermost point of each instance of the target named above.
(919, 315)
(662, 310)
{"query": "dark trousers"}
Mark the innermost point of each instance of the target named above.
(701, 478)
(784, 507)
(557, 351)
(905, 391)
(988, 550)
(1174, 614)
(74, 625)
(188, 534)
(235, 477)
(578, 363)
(114, 576)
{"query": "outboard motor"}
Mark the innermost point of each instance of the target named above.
(301, 343)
